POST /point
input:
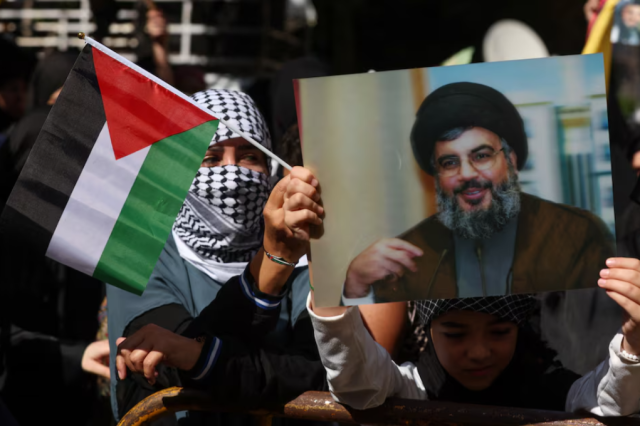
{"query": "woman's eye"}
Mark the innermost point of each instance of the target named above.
(250, 157)
(211, 160)
(501, 332)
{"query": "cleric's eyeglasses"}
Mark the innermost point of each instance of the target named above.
(449, 165)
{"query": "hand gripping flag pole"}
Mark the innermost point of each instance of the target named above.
(152, 77)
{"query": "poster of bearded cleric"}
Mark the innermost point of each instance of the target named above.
(462, 181)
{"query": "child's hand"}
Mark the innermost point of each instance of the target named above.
(152, 345)
(622, 283)
(93, 359)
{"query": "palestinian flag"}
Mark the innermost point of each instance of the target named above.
(109, 171)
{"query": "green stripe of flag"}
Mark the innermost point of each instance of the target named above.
(154, 201)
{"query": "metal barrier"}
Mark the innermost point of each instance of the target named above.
(320, 406)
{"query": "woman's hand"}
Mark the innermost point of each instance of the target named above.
(622, 283)
(95, 359)
(293, 215)
(152, 345)
(385, 260)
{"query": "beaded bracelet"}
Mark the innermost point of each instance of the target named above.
(277, 259)
(629, 357)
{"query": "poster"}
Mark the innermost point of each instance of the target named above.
(462, 181)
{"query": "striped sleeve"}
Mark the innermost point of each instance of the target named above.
(260, 299)
(206, 362)
(239, 313)
(240, 309)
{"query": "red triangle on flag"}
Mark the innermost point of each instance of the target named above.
(139, 111)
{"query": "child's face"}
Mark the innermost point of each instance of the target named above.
(631, 15)
(473, 347)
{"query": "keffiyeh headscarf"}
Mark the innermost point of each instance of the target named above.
(221, 219)
(515, 308)
(239, 110)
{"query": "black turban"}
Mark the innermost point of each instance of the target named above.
(463, 105)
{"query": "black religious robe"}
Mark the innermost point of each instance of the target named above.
(557, 247)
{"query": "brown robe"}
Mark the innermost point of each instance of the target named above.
(557, 247)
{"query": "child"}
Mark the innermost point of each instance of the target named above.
(479, 351)
(482, 351)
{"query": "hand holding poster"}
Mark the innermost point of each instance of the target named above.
(500, 184)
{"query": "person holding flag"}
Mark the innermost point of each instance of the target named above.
(217, 232)
(107, 177)
(236, 347)
(215, 237)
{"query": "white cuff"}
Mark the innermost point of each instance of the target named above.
(616, 347)
(619, 391)
(315, 317)
(352, 301)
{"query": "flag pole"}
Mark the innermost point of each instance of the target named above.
(175, 91)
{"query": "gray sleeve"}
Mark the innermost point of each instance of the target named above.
(360, 372)
(611, 389)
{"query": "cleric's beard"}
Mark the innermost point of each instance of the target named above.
(480, 224)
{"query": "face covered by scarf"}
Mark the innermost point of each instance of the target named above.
(221, 218)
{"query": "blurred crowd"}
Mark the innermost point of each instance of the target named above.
(54, 349)
(54, 344)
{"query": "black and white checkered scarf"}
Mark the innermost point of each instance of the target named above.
(239, 110)
(221, 218)
(515, 308)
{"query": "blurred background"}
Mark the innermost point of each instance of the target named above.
(245, 42)
(49, 314)
(251, 36)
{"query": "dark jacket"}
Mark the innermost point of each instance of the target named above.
(557, 247)
(48, 316)
(252, 369)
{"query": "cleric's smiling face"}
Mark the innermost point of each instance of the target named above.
(470, 166)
